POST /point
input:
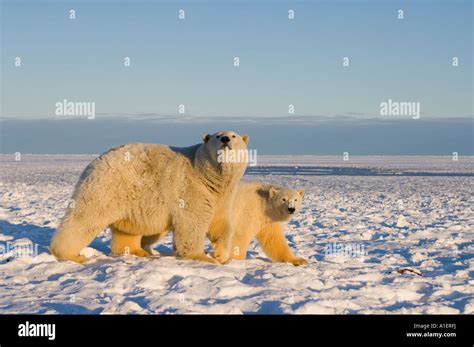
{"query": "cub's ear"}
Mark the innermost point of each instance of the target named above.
(246, 139)
(206, 137)
(272, 192)
(301, 192)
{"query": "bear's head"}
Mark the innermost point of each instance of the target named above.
(227, 149)
(283, 203)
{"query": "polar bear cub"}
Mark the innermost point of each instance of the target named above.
(260, 211)
(146, 189)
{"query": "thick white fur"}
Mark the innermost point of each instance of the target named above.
(260, 211)
(148, 189)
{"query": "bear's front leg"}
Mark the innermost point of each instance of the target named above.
(220, 234)
(273, 242)
(239, 248)
(190, 236)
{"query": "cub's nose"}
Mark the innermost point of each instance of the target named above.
(225, 139)
(291, 210)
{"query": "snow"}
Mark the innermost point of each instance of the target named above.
(362, 221)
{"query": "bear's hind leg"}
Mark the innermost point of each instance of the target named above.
(72, 236)
(125, 244)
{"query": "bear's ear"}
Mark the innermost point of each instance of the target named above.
(272, 191)
(246, 139)
(301, 192)
(206, 137)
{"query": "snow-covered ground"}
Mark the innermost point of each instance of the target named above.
(363, 221)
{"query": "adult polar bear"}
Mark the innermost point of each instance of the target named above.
(145, 189)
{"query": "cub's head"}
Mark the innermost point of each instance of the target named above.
(284, 202)
(227, 147)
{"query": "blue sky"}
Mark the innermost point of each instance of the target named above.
(282, 61)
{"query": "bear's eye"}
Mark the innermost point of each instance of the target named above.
(233, 136)
(217, 136)
(296, 199)
(284, 199)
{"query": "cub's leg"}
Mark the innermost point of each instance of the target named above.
(273, 242)
(220, 234)
(124, 244)
(149, 241)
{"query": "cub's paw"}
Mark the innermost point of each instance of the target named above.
(299, 261)
(140, 253)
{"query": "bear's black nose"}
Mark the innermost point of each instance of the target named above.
(291, 210)
(225, 139)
